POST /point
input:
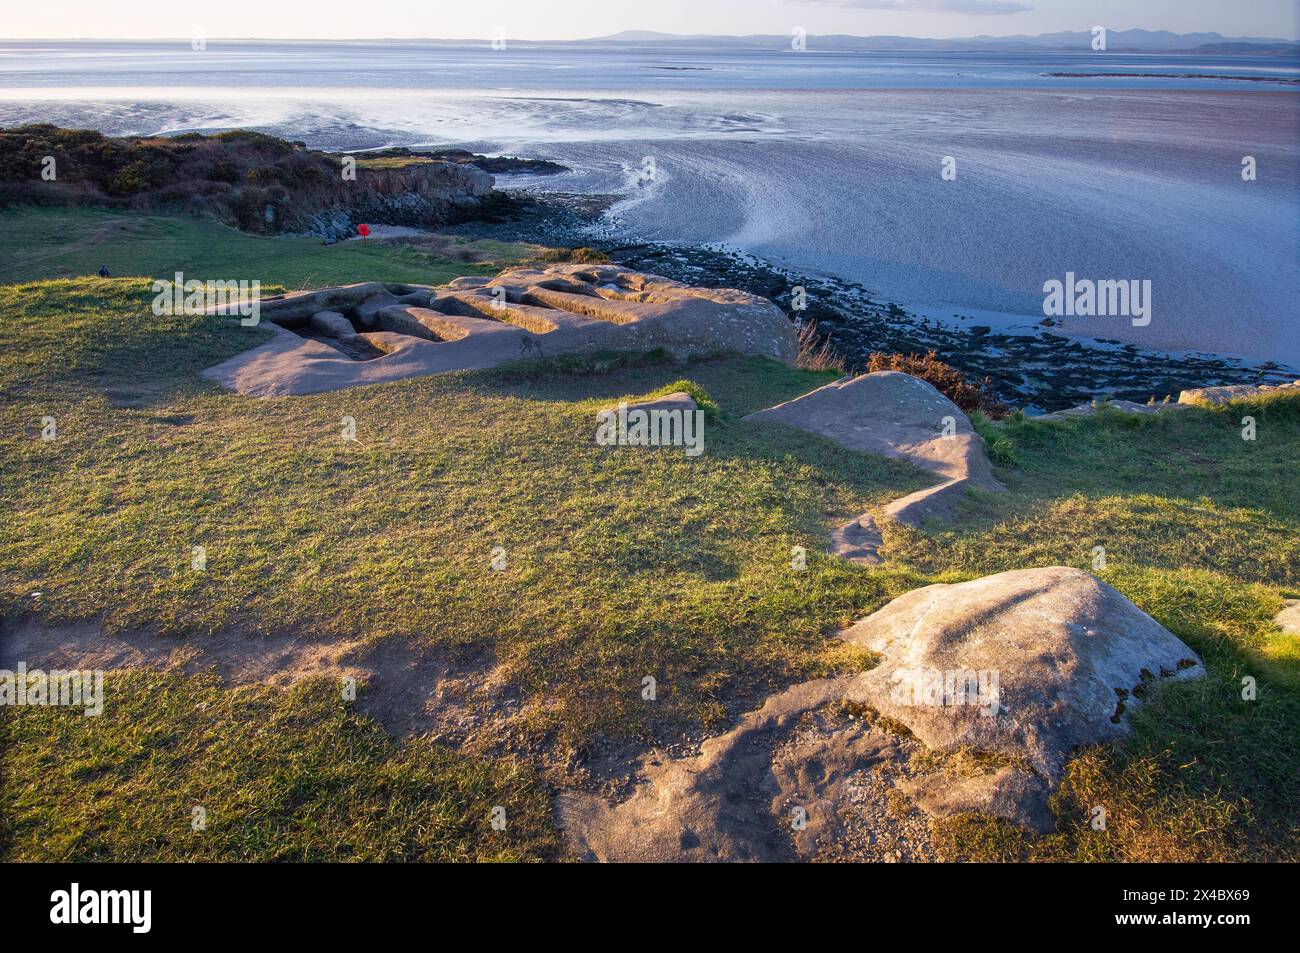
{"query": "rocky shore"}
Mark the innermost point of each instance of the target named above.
(1039, 372)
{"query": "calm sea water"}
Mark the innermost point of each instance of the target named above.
(828, 163)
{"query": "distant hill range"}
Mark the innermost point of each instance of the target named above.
(1117, 41)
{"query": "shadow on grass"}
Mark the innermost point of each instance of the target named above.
(68, 335)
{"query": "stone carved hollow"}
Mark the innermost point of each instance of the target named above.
(374, 332)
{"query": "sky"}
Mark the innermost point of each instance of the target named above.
(575, 19)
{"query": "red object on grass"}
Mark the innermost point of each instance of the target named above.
(363, 230)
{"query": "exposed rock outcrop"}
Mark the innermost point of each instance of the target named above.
(419, 196)
(1123, 406)
(895, 415)
(1198, 397)
(1217, 396)
(1288, 620)
(1018, 669)
(480, 322)
(717, 806)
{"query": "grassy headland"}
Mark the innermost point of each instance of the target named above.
(621, 563)
(250, 180)
(44, 243)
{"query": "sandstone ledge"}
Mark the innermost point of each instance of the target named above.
(894, 415)
(472, 323)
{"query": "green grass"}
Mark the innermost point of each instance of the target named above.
(1202, 530)
(624, 562)
(280, 775)
(621, 562)
(996, 443)
(1172, 491)
(393, 162)
(44, 243)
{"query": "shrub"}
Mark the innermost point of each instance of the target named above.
(129, 179)
(815, 351)
(225, 171)
(260, 210)
(263, 175)
(577, 256)
(946, 379)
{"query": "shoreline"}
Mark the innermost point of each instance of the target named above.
(1039, 371)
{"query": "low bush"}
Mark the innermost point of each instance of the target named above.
(947, 380)
(815, 351)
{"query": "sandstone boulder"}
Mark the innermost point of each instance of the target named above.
(1027, 664)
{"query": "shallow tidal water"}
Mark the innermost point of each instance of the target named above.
(826, 163)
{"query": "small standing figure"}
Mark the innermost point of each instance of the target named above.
(103, 271)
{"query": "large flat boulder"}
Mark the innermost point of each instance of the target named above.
(482, 322)
(1019, 669)
(895, 415)
(1055, 656)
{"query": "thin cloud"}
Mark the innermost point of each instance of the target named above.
(983, 7)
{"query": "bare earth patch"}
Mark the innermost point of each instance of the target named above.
(409, 690)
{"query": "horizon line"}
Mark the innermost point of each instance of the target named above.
(614, 37)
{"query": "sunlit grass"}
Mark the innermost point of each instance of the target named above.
(275, 776)
(46, 243)
(621, 563)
